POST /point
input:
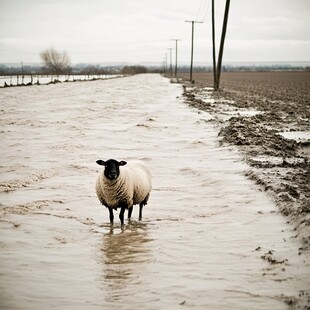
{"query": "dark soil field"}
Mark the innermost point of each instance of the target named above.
(266, 114)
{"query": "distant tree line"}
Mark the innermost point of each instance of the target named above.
(91, 70)
(79, 69)
(134, 70)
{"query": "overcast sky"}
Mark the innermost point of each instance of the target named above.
(135, 31)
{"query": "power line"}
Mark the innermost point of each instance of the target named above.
(206, 13)
(204, 10)
(201, 9)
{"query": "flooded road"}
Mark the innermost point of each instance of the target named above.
(209, 239)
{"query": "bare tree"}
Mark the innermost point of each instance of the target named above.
(56, 62)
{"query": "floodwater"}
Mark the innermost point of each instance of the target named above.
(209, 238)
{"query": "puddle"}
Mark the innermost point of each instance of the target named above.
(222, 108)
(299, 136)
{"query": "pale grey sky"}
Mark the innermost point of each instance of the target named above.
(98, 31)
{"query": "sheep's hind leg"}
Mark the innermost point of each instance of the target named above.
(129, 213)
(143, 203)
(111, 215)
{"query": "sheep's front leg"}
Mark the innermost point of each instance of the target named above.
(140, 211)
(111, 215)
(130, 212)
(121, 214)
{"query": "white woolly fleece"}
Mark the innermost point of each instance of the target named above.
(133, 185)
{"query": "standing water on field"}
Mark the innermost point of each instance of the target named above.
(209, 238)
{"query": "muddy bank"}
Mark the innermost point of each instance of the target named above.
(266, 114)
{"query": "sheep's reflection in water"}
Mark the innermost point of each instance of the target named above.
(124, 255)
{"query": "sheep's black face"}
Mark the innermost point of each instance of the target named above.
(111, 170)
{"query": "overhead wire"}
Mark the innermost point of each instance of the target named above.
(199, 9)
(206, 15)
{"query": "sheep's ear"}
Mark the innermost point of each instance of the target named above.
(122, 163)
(100, 162)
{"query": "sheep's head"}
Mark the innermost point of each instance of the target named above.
(111, 170)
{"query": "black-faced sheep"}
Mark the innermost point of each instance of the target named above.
(120, 186)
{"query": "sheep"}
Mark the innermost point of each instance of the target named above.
(120, 186)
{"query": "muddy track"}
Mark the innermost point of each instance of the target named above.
(280, 165)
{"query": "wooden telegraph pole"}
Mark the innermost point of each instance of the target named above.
(170, 49)
(213, 43)
(219, 62)
(192, 51)
(176, 57)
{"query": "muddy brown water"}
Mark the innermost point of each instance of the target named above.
(209, 238)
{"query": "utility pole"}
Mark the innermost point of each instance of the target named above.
(213, 43)
(170, 49)
(22, 72)
(219, 62)
(176, 57)
(192, 52)
(165, 64)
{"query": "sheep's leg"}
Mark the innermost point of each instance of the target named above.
(143, 203)
(111, 215)
(121, 214)
(130, 212)
(140, 211)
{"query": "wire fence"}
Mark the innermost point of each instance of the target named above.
(27, 80)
